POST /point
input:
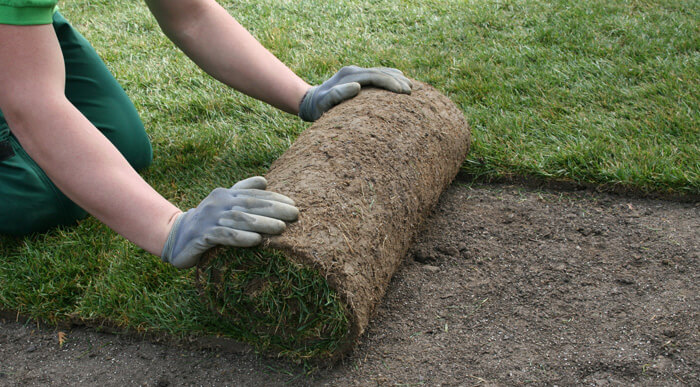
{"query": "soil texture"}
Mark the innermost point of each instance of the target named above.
(505, 285)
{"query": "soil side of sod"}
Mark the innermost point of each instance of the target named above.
(504, 285)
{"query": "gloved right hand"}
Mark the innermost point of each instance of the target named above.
(230, 217)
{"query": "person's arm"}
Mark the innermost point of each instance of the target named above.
(90, 170)
(73, 153)
(218, 44)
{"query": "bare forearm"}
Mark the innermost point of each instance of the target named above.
(227, 51)
(72, 152)
(90, 170)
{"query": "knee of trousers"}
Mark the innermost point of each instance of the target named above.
(126, 131)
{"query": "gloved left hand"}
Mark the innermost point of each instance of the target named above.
(231, 217)
(346, 84)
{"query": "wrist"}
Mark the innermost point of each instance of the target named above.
(305, 110)
(170, 239)
(301, 94)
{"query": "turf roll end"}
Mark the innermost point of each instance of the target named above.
(365, 176)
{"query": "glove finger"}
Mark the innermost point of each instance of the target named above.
(398, 74)
(268, 208)
(255, 182)
(379, 78)
(229, 237)
(338, 94)
(389, 70)
(249, 222)
(265, 195)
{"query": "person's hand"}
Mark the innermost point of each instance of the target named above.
(231, 217)
(346, 84)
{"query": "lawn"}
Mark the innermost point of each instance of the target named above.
(596, 92)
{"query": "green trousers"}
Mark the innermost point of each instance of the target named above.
(29, 201)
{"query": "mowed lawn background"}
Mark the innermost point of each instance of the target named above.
(602, 92)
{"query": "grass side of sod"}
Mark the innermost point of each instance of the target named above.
(602, 92)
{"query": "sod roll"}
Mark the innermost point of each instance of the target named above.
(364, 176)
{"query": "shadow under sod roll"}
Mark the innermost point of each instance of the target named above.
(364, 176)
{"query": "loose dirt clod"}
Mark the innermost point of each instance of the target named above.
(365, 176)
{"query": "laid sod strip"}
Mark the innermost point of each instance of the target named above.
(364, 178)
(265, 293)
(600, 91)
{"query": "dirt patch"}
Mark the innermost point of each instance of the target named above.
(364, 177)
(513, 286)
(505, 285)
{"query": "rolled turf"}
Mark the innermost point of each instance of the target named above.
(364, 176)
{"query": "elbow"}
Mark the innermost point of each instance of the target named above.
(178, 20)
(25, 115)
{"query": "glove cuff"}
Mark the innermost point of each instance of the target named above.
(306, 107)
(166, 254)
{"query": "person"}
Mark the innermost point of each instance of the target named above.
(71, 141)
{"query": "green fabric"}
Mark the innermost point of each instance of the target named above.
(29, 202)
(27, 12)
(29, 3)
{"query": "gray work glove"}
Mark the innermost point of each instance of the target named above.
(346, 84)
(229, 217)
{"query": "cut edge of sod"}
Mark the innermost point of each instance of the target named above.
(276, 305)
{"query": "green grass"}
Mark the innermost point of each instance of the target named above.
(600, 92)
(284, 307)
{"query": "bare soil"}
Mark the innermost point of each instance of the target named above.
(505, 286)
